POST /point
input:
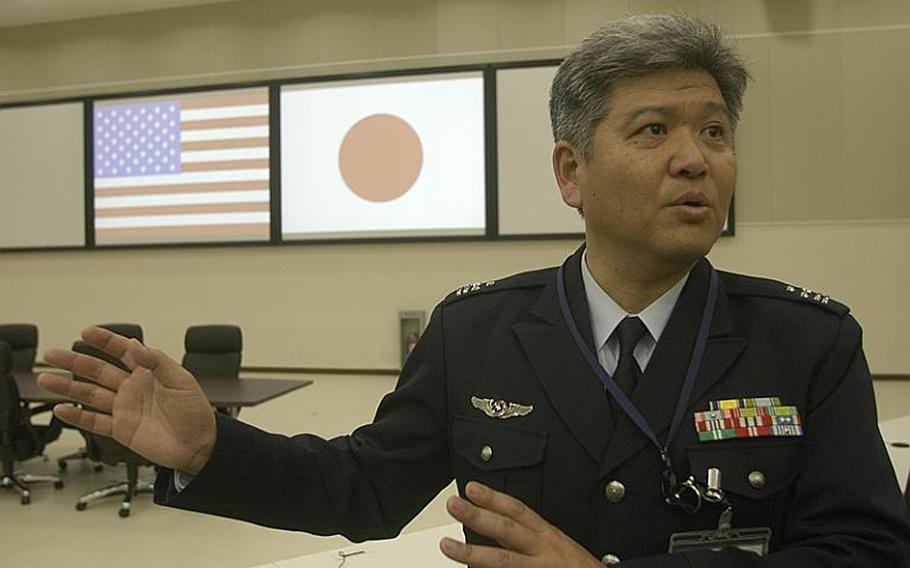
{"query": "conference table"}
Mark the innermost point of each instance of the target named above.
(221, 391)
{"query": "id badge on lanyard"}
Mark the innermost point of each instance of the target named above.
(755, 539)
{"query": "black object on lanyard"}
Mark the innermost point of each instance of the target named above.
(675, 494)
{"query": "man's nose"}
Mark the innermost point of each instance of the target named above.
(688, 158)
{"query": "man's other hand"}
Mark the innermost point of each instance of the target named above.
(527, 539)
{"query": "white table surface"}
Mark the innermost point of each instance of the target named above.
(896, 433)
(419, 548)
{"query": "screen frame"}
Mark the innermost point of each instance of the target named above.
(491, 168)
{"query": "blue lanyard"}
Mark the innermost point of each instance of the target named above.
(617, 393)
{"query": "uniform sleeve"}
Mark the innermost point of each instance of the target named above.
(845, 508)
(367, 485)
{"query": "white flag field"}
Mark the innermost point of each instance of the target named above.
(383, 157)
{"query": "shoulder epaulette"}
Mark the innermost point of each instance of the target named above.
(532, 279)
(742, 285)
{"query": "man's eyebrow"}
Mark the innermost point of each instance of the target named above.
(708, 107)
(655, 109)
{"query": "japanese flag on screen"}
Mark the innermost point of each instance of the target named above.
(391, 157)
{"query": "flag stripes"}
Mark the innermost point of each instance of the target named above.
(212, 181)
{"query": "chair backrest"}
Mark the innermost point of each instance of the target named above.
(18, 440)
(128, 330)
(23, 342)
(213, 350)
(10, 410)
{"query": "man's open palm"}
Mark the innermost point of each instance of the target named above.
(158, 410)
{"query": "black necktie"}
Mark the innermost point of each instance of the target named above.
(630, 331)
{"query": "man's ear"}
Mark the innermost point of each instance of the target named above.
(567, 165)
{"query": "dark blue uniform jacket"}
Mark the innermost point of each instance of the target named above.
(830, 496)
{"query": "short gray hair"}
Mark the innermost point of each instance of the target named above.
(632, 47)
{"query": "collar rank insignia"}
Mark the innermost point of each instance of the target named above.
(500, 408)
(475, 287)
(748, 418)
(807, 294)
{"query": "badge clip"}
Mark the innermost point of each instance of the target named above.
(756, 540)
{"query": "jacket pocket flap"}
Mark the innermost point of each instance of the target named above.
(490, 446)
(753, 468)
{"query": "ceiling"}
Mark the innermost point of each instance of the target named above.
(25, 12)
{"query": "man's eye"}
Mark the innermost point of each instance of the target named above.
(714, 131)
(655, 129)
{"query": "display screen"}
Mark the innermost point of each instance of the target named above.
(42, 193)
(387, 157)
(190, 167)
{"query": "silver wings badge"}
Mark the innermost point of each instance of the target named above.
(500, 408)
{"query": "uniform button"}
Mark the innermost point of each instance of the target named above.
(756, 479)
(615, 491)
(486, 453)
(610, 559)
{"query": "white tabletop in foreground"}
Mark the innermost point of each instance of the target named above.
(896, 434)
(419, 548)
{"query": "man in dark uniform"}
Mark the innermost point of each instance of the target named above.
(633, 406)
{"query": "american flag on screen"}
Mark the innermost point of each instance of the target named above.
(188, 168)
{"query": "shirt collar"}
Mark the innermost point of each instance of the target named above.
(606, 313)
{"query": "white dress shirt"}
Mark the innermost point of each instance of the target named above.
(606, 315)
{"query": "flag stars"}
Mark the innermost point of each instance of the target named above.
(139, 139)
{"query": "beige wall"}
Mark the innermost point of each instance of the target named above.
(822, 199)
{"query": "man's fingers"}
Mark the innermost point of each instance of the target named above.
(110, 343)
(505, 505)
(86, 393)
(504, 530)
(482, 556)
(165, 369)
(96, 370)
(85, 419)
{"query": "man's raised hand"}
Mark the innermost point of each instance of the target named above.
(157, 410)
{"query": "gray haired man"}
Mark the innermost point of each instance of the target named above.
(632, 406)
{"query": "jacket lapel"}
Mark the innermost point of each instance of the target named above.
(658, 390)
(571, 385)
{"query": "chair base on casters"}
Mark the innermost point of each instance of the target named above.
(82, 454)
(21, 481)
(121, 488)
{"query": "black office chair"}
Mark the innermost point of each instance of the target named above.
(907, 493)
(23, 341)
(19, 438)
(214, 351)
(130, 330)
(108, 451)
